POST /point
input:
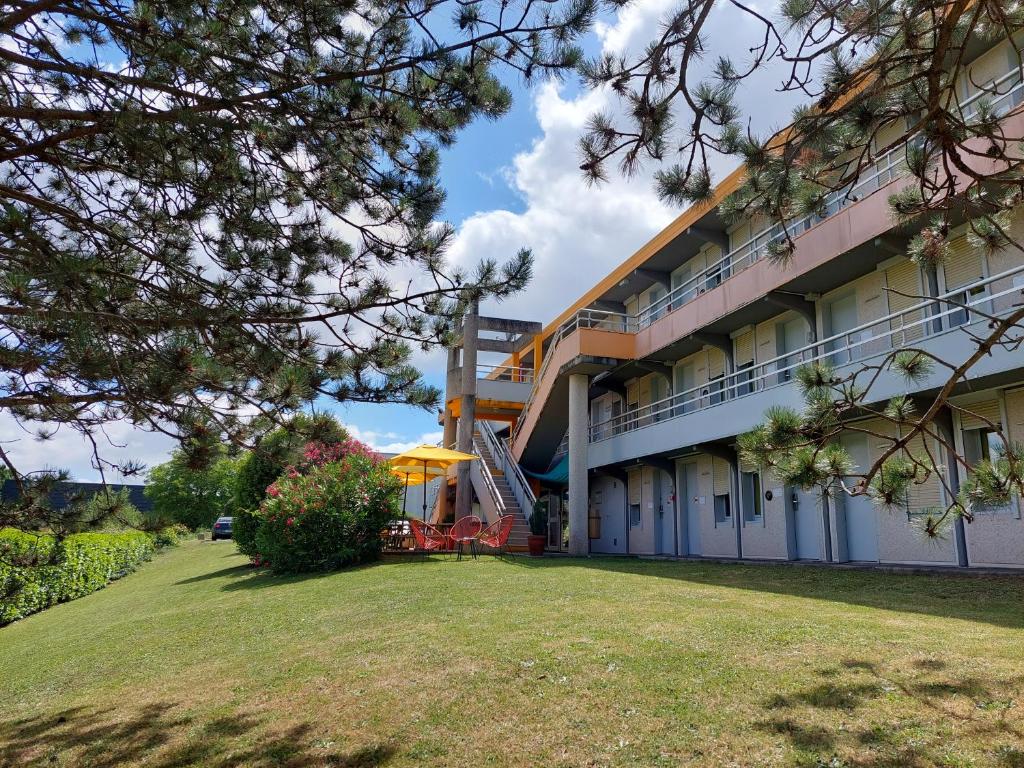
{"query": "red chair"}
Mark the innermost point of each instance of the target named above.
(466, 529)
(428, 538)
(495, 536)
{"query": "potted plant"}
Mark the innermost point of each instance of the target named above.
(538, 529)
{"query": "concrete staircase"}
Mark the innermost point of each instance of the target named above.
(521, 528)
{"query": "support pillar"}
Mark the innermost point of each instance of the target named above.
(579, 493)
(467, 412)
(452, 386)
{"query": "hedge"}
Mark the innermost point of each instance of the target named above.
(38, 571)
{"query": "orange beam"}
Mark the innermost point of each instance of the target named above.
(488, 406)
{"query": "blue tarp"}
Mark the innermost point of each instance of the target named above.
(558, 474)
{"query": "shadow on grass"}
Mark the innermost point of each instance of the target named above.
(938, 709)
(995, 600)
(247, 576)
(158, 736)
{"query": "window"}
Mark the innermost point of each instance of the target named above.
(981, 444)
(753, 510)
(714, 277)
(723, 513)
(634, 515)
(745, 379)
(984, 444)
(961, 316)
(716, 388)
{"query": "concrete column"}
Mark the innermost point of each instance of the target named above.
(579, 494)
(467, 412)
(452, 387)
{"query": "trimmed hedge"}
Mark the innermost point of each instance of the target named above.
(38, 571)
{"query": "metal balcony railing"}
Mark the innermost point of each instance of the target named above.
(505, 373)
(855, 345)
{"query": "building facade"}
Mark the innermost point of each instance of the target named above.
(639, 390)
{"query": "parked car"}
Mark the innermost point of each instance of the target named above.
(222, 528)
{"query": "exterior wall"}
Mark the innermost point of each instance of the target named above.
(718, 539)
(899, 538)
(767, 538)
(996, 538)
(608, 503)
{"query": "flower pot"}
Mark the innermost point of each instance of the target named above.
(536, 544)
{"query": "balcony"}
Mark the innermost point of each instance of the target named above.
(590, 342)
(737, 402)
(503, 383)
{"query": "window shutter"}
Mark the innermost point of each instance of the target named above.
(721, 472)
(745, 348)
(963, 265)
(645, 390)
(980, 411)
(1015, 414)
(634, 486)
(716, 362)
(905, 278)
(928, 495)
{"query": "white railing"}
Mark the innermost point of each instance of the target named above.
(485, 473)
(513, 474)
(883, 170)
(505, 373)
(857, 344)
(1002, 94)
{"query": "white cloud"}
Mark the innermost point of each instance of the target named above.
(66, 449)
(391, 442)
(578, 233)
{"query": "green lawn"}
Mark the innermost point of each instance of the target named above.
(199, 660)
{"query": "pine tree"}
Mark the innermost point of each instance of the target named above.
(216, 212)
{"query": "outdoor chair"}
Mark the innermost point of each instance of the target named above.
(428, 538)
(495, 536)
(465, 530)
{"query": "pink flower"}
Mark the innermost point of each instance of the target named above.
(272, 491)
(290, 521)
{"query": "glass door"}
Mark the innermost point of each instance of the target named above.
(558, 522)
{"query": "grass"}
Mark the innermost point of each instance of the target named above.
(197, 660)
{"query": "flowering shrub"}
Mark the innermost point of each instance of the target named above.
(330, 517)
(316, 454)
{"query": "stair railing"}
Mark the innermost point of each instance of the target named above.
(492, 488)
(504, 460)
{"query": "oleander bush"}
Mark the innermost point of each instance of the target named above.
(282, 449)
(37, 571)
(330, 517)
